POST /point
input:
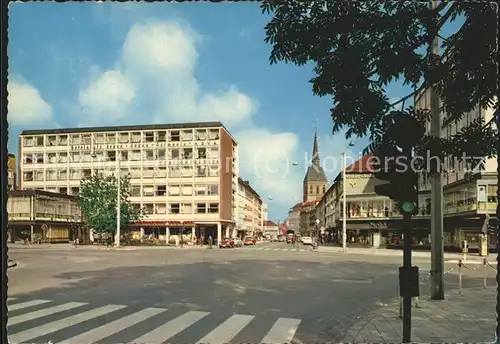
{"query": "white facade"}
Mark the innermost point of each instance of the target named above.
(460, 194)
(179, 172)
(249, 210)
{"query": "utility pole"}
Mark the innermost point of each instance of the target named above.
(118, 200)
(344, 202)
(437, 248)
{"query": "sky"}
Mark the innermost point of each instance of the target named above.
(90, 64)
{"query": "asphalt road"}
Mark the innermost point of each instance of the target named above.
(267, 293)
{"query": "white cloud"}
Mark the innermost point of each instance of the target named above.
(155, 74)
(266, 158)
(26, 106)
(109, 94)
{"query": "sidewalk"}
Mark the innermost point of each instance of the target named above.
(460, 318)
(102, 247)
(396, 253)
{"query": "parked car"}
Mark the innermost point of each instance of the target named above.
(237, 242)
(226, 243)
(307, 240)
(249, 241)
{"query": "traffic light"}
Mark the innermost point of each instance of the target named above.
(394, 167)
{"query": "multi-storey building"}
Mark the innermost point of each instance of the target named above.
(371, 220)
(271, 230)
(11, 172)
(469, 188)
(293, 219)
(184, 176)
(250, 210)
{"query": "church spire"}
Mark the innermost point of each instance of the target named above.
(315, 152)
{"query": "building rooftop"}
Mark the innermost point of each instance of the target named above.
(268, 223)
(123, 128)
(247, 185)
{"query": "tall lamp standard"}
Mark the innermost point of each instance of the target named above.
(118, 201)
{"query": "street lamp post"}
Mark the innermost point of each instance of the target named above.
(118, 201)
(344, 203)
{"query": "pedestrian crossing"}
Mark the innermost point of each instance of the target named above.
(281, 249)
(42, 321)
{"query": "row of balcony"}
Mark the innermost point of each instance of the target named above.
(122, 137)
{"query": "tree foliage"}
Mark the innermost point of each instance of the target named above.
(359, 47)
(98, 198)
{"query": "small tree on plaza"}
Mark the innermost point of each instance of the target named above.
(97, 200)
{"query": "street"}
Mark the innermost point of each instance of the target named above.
(266, 293)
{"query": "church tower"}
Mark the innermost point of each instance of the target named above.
(315, 181)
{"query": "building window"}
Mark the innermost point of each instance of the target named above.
(161, 190)
(187, 153)
(149, 136)
(111, 138)
(187, 135)
(324, 189)
(124, 138)
(28, 158)
(160, 208)
(148, 190)
(187, 190)
(148, 209)
(162, 136)
(174, 190)
(174, 153)
(28, 141)
(187, 208)
(200, 190)
(213, 134)
(213, 208)
(187, 172)
(174, 172)
(136, 137)
(202, 153)
(201, 171)
(175, 136)
(201, 134)
(39, 140)
(214, 171)
(28, 176)
(213, 189)
(201, 208)
(135, 191)
(492, 193)
(174, 208)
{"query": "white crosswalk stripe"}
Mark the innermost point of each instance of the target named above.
(43, 312)
(171, 328)
(228, 329)
(278, 249)
(25, 336)
(113, 327)
(281, 331)
(27, 304)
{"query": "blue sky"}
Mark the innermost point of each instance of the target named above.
(86, 64)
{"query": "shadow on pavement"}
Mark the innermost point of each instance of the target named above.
(328, 297)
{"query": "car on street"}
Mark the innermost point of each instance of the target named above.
(249, 241)
(306, 240)
(226, 243)
(237, 242)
